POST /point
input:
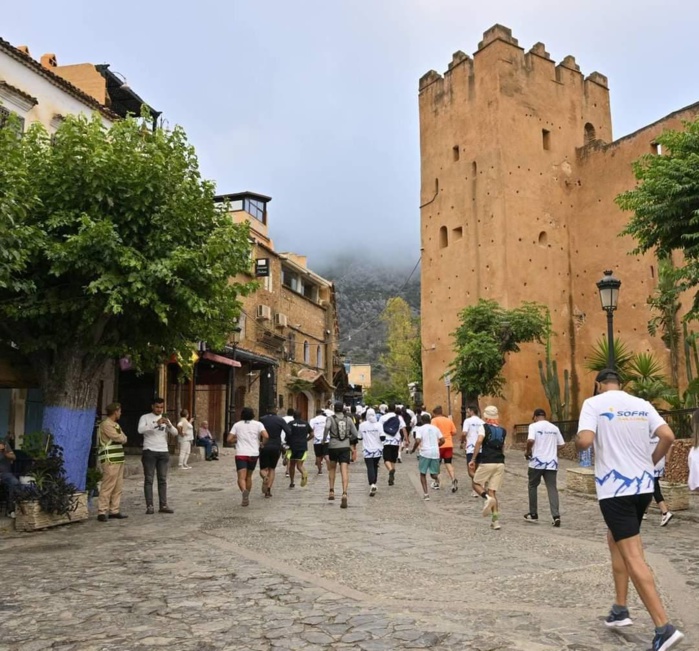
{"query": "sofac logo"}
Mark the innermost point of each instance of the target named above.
(609, 415)
(632, 414)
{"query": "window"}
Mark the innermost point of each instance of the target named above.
(443, 237)
(656, 148)
(457, 233)
(310, 291)
(256, 208)
(590, 133)
(319, 357)
(306, 353)
(241, 324)
(455, 152)
(18, 121)
(546, 138)
(290, 279)
(267, 282)
(543, 238)
(291, 345)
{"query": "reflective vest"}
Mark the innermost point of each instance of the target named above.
(110, 451)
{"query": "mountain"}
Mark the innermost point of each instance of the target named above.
(362, 288)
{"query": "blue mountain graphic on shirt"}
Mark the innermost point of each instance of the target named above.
(626, 482)
(546, 465)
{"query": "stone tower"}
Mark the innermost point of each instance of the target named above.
(517, 204)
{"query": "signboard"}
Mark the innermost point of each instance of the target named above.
(262, 267)
(447, 380)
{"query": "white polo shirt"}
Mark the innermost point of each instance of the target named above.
(547, 437)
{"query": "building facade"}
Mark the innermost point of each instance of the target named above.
(519, 172)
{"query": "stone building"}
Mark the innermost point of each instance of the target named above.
(519, 175)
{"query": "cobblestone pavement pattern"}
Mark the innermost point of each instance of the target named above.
(296, 572)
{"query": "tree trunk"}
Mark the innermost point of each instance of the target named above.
(69, 379)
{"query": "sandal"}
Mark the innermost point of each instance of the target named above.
(331, 495)
(343, 504)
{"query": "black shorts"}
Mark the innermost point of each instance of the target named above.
(245, 463)
(269, 458)
(320, 449)
(469, 457)
(623, 515)
(343, 455)
(390, 453)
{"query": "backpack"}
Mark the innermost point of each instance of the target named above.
(392, 426)
(341, 430)
(494, 436)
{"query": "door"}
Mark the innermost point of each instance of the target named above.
(302, 405)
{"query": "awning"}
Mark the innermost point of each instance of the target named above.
(220, 359)
(254, 359)
(317, 378)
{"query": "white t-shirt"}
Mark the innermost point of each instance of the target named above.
(396, 438)
(547, 437)
(623, 425)
(473, 426)
(659, 469)
(370, 434)
(429, 436)
(187, 429)
(693, 462)
(154, 435)
(317, 423)
(248, 441)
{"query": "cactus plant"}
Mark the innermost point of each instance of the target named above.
(560, 407)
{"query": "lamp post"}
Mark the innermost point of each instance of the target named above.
(609, 295)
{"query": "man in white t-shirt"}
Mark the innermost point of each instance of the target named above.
(394, 430)
(320, 446)
(428, 438)
(620, 426)
(543, 442)
(471, 430)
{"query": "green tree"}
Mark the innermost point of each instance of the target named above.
(486, 335)
(111, 246)
(402, 340)
(665, 303)
(665, 204)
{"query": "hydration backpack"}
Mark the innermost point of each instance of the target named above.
(341, 430)
(494, 436)
(392, 426)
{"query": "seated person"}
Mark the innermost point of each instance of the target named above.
(206, 440)
(7, 477)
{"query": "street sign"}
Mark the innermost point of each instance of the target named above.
(447, 380)
(262, 267)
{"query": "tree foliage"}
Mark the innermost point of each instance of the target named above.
(486, 335)
(665, 203)
(403, 338)
(111, 246)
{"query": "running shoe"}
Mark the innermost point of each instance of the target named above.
(668, 639)
(667, 516)
(531, 517)
(556, 522)
(343, 502)
(246, 498)
(331, 495)
(474, 494)
(426, 497)
(372, 490)
(495, 524)
(617, 620)
(435, 485)
(391, 477)
(304, 479)
(454, 485)
(292, 485)
(489, 502)
(645, 516)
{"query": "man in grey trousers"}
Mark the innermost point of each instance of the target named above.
(543, 442)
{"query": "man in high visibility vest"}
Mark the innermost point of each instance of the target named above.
(111, 457)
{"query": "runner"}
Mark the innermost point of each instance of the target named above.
(659, 472)
(371, 434)
(428, 438)
(297, 442)
(246, 435)
(285, 461)
(472, 426)
(394, 430)
(620, 426)
(277, 429)
(320, 445)
(446, 450)
(342, 447)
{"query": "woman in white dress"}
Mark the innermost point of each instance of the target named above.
(185, 436)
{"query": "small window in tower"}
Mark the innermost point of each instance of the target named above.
(457, 233)
(474, 168)
(656, 148)
(543, 238)
(443, 237)
(546, 136)
(652, 272)
(455, 152)
(590, 133)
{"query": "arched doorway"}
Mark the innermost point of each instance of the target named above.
(302, 405)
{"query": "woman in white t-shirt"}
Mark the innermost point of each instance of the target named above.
(246, 435)
(185, 436)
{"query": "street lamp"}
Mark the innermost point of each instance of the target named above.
(609, 296)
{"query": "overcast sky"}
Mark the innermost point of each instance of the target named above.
(314, 102)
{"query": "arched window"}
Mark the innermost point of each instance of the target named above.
(306, 353)
(590, 134)
(443, 237)
(319, 357)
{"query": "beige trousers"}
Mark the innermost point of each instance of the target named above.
(110, 491)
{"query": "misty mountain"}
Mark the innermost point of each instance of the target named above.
(362, 288)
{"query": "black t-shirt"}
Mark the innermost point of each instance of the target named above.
(490, 454)
(274, 426)
(298, 439)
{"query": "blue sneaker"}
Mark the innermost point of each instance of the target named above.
(617, 620)
(668, 639)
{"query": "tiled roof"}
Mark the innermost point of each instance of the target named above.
(56, 80)
(21, 93)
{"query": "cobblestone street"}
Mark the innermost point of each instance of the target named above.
(297, 572)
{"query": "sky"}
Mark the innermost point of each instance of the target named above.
(314, 102)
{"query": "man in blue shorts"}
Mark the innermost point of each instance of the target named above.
(428, 438)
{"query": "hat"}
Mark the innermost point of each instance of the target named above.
(539, 412)
(339, 406)
(491, 412)
(608, 374)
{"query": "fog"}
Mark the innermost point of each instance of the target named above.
(315, 102)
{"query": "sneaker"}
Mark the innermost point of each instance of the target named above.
(372, 490)
(668, 639)
(617, 620)
(400, 460)
(495, 524)
(286, 474)
(531, 517)
(435, 485)
(489, 502)
(268, 493)
(331, 495)
(102, 517)
(474, 494)
(150, 510)
(391, 477)
(343, 502)
(165, 509)
(292, 485)
(645, 516)
(454, 485)
(187, 467)
(304, 478)
(556, 522)
(667, 516)
(180, 467)
(426, 497)
(246, 498)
